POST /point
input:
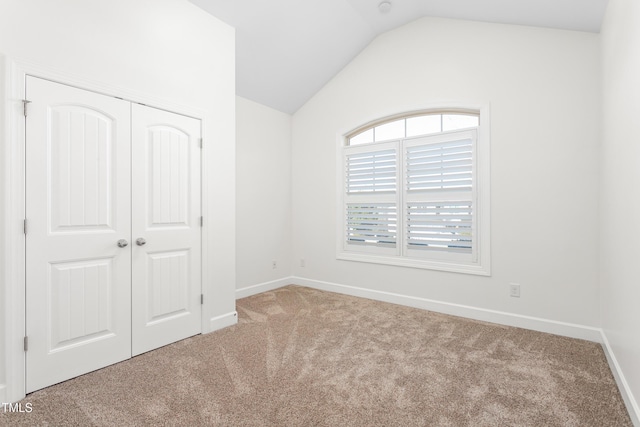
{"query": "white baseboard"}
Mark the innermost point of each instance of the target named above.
(263, 287)
(223, 321)
(493, 316)
(629, 400)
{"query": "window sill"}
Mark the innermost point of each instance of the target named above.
(475, 269)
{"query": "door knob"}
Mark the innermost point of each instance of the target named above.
(122, 243)
(140, 242)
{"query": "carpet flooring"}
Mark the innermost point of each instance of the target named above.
(303, 357)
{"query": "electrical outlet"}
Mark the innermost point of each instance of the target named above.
(274, 264)
(302, 262)
(514, 290)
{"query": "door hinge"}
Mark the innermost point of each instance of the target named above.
(200, 142)
(201, 221)
(24, 106)
(26, 343)
(24, 226)
(201, 299)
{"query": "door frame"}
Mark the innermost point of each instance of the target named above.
(14, 194)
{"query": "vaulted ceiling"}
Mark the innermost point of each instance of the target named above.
(286, 50)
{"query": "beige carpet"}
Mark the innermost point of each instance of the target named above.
(302, 357)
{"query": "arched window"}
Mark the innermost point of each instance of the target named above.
(413, 193)
(417, 124)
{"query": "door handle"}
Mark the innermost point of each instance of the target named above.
(141, 242)
(122, 243)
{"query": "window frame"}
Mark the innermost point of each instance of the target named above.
(479, 262)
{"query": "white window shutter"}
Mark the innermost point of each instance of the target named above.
(440, 225)
(441, 166)
(371, 172)
(370, 202)
(372, 224)
(439, 194)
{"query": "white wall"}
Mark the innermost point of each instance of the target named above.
(3, 177)
(543, 89)
(263, 194)
(168, 50)
(620, 199)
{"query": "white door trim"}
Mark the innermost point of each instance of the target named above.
(14, 195)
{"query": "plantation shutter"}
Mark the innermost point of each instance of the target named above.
(370, 209)
(371, 172)
(439, 194)
(372, 224)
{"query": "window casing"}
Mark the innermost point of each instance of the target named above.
(420, 200)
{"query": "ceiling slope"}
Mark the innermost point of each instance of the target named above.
(286, 50)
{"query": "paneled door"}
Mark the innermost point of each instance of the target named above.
(113, 230)
(78, 194)
(166, 227)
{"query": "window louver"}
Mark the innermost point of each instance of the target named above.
(372, 172)
(372, 224)
(440, 166)
(440, 225)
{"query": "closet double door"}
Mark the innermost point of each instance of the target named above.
(113, 230)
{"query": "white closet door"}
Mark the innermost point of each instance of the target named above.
(78, 279)
(166, 276)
